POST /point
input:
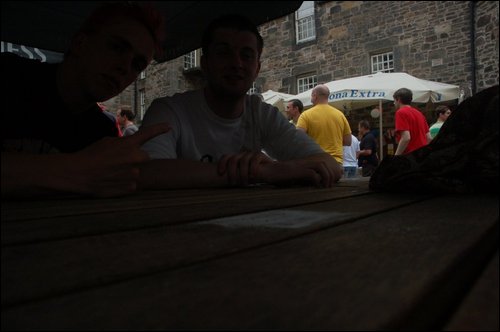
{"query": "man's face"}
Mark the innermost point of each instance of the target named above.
(314, 97)
(397, 104)
(110, 59)
(291, 110)
(232, 62)
(120, 118)
(444, 116)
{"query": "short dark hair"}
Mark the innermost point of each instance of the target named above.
(441, 109)
(127, 113)
(364, 124)
(297, 103)
(232, 21)
(404, 94)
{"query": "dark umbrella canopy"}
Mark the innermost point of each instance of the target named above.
(50, 25)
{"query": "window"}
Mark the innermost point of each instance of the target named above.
(383, 62)
(142, 100)
(304, 22)
(143, 74)
(192, 60)
(253, 89)
(306, 83)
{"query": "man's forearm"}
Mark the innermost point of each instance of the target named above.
(25, 175)
(365, 152)
(179, 173)
(401, 147)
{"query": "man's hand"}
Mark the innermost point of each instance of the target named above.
(319, 172)
(109, 167)
(112, 164)
(243, 168)
(251, 167)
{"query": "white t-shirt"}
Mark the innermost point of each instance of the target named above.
(350, 159)
(199, 134)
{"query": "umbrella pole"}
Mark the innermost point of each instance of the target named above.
(380, 129)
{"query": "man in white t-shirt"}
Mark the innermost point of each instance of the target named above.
(218, 133)
(350, 161)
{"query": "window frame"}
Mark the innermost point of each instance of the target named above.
(313, 81)
(192, 59)
(142, 103)
(253, 89)
(305, 29)
(382, 64)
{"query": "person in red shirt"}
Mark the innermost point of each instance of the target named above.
(412, 130)
(462, 159)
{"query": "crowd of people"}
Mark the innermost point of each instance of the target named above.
(358, 154)
(57, 139)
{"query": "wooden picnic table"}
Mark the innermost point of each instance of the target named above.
(260, 257)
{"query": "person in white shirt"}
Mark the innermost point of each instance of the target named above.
(350, 162)
(218, 133)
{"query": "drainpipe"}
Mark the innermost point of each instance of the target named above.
(472, 5)
(134, 99)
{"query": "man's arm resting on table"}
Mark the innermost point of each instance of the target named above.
(25, 175)
(29, 175)
(106, 168)
(319, 169)
(180, 173)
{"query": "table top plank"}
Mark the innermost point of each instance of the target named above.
(54, 206)
(368, 274)
(74, 218)
(54, 267)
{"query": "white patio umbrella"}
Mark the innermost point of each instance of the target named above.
(363, 91)
(276, 99)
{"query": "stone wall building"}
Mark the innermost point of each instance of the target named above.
(454, 42)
